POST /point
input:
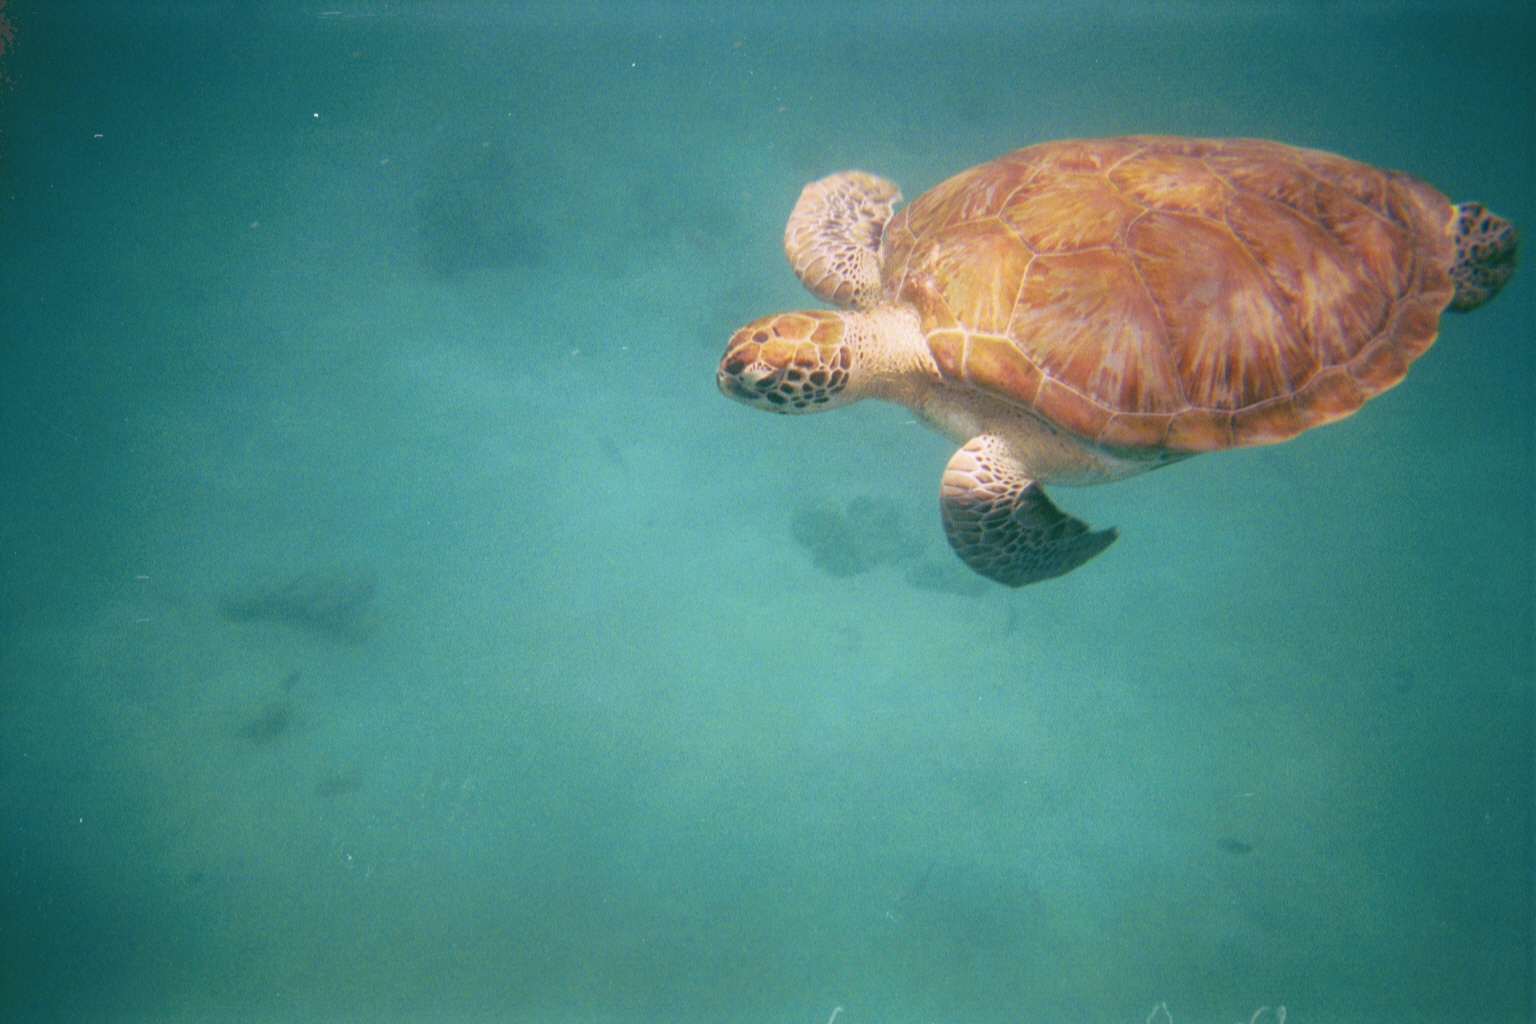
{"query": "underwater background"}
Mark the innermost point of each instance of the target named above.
(396, 624)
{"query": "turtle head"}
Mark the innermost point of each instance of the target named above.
(791, 362)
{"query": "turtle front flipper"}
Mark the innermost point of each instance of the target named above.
(1002, 525)
(833, 237)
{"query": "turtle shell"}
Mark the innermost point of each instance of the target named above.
(1183, 294)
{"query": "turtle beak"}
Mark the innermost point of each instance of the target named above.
(750, 382)
(743, 374)
(733, 386)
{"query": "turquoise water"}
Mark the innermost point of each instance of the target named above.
(397, 625)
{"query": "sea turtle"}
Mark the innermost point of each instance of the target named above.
(1077, 312)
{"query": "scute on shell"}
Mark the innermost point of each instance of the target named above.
(1188, 294)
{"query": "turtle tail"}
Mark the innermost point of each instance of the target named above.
(1485, 256)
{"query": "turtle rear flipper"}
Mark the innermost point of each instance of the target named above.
(1486, 245)
(833, 237)
(1001, 523)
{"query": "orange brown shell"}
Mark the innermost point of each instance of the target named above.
(1184, 294)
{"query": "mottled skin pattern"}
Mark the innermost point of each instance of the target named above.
(1486, 246)
(1080, 311)
(1001, 523)
(833, 237)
